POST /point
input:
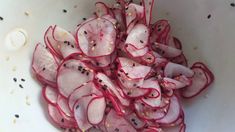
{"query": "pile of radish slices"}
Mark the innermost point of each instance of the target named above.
(117, 73)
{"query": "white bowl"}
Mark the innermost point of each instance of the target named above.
(208, 40)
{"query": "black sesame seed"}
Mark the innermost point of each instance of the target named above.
(21, 86)
(135, 123)
(85, 32)
(97, 63)
(17, 116)
(209, 16)
(72, 46)
(140, 3)
(100, 81)
(94, 45)
(116, 130)
(62, 120)
(232, 4)
(118, 74)
(133, 64)
(141, 41)
(83, 72)
(84, 19)
(132, 119)
(78, 25)
(15, 80)
(127, 74)
(159, 29)
(118, 2)
(65, 11)
(64, 65)
(105, 86)
(142, 104)
(70, 130)
(1, 18)
(65, 42)
(87, 73)
(134, 85)
(43, 68)
(22, 79)
(126, 8)
(77, 106)
(128, 93)
(149, 58)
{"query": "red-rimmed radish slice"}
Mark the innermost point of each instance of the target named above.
(147, 113)
(199, 83)
(148, 58)
(209, 74)
(50, 94)
(80, 112)
(60, 34)
(173, 112)
(58, 119)
(116, 123)
(86, 89)
(181, 59)
(172, 70)
(113, 89)
(167, 51)
(43, 81)
(101, 9)
(72, 74)
(139, 10)
(170, 83)
(148, 6)
(161, 33)
(97, 37)
(138, 36)
(96, 110)
(130, 15)
(131, 26)
(62, 104)
(103, 61)
(134, 52)
(44, 64)
(135, 121)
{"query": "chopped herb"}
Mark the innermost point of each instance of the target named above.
(22, 79)
(65, 11)
(209, 16)
(84, 19)
(232, 4)
(17, 116)
(1, 18)
(15, 80)
(21, 86)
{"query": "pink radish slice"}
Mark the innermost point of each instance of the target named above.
(167, 51)
(130, 15)
(96, 37)
(169, 83)
(72, 74)
(138, 36)
(115, 123)
(135, 121)
(80, 112)
(50, 94)
(62, 104)
(44, 64)
(111, 19)
(148, 6)
(43, 81)
(96, 110)
(60, 34)
(86, 89)
(199, 83)
(101, 9)
(209, 74)
(173, 112)
(173, 69)
(136, 52)
(161, 32)
(58, 119)
(131, 26)
(181, 59)
(139, 10)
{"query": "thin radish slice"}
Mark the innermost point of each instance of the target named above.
(172, 70)
(115, 123)
(199, 83)
(101, 9)
(96, 110)
(44, 64)
(134, 52)
(131, 26)
(60, 34)
(50, 94)
(72, 74)
(209, 74)
(135, 121)
(181, 59)
(173, 112)
(58, 119)
(169, 83)
(138, 36)
(148, 58)
(167, 51)
(148, 6)
(62, 104)
(80, 112)
(139, 10)
(86, 89)
(96, 37)
(130, 15)
(161, 32)
(103, 61)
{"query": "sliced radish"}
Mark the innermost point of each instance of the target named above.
(135, 121)
(80, 112)
(199, 83)
(101, 9)
(169, 83)
(181, 59)
(134, 52)
(167, 51)
(152, 129)
(86, 89)
(148, 58)
(72, 74)
(62, 104)
(173, 69)
(148, 6)
(50, 94)
(115, 123)
(161, 32)
(44, 64)
(130, 14)
(138, 36)
(131, 26)
(139, 10)
(97, 37)
(96, 110)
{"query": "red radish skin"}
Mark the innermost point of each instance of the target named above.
(50, 94)
(62, 104)
(148, 6)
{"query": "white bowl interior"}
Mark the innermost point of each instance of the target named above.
(207, 40)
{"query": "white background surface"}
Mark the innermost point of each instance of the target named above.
(209, 40)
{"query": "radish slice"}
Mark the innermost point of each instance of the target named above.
(86, 89)
(199, 83)
(131, 26)
(139, 10)
(95, 110)
(50, 94)
(148, 6)
(169, 83)
(173, 69)
(72, 74)
(135, 121)
(80, 112)
(173, 112)
(114, 123)
(97, 37)
(167, 51)
(131, 15)
(101, 9)
(134, 52)
(181, 59)
(209, 74)
(138, 36)
(44, 64)
(161, 32)
(62, 104)
(58, 119)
